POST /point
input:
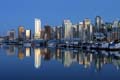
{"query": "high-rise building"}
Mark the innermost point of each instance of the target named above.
(91, 32)
(115, 24)
(115, 30)
(61, 32)
(48, 32)
(11, 34)
(80, 30)
(21, 33)
(42, 34)
(57, 32)
(37, 28)
(28, 34)
(86, 29)
(53, 32)
(86, 23)
(98, 23)
(68, 33)
(75, 31)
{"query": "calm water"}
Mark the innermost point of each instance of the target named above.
(18, 63)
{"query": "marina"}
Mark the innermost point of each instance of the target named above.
(114, 46)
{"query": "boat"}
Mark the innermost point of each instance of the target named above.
(27, 44)
(106, 46)
(114, 46)
(38, 43)
(52, 43)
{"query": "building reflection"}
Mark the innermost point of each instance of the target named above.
(10, 50)
(116, 63)
(28, 52)
(59, 55)
(46, 52)
(37, 57)
(87, 59)
(84, 59)
(21, 52)
(67, 57)
(67, 60)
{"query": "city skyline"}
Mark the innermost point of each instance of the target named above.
(60, 39)
(84, 30)
(41, 25)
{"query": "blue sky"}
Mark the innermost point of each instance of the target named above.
(22, 12)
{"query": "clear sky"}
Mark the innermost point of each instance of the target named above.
(22, 12)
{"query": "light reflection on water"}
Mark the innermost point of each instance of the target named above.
(65, 59)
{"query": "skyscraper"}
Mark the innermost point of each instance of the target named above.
(48, 32)
(86, 29)
(86, 23)
(98, 23)
(80, 29)
(11, 34)
(90, 33)
(37, 28)
(75, 31)
(28, 34)
(59, 32)
(67, 25)
(115, 30)
(21, 33)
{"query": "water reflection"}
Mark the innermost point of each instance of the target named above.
(28, 52)
(21, 52)
(37, 52)
(67, 57)
(10, 50)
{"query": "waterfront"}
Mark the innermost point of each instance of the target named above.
(20, 63)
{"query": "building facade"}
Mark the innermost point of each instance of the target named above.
(68, 32)
(37, 28)
(21, 33)
(28, 34)
(11, 35)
